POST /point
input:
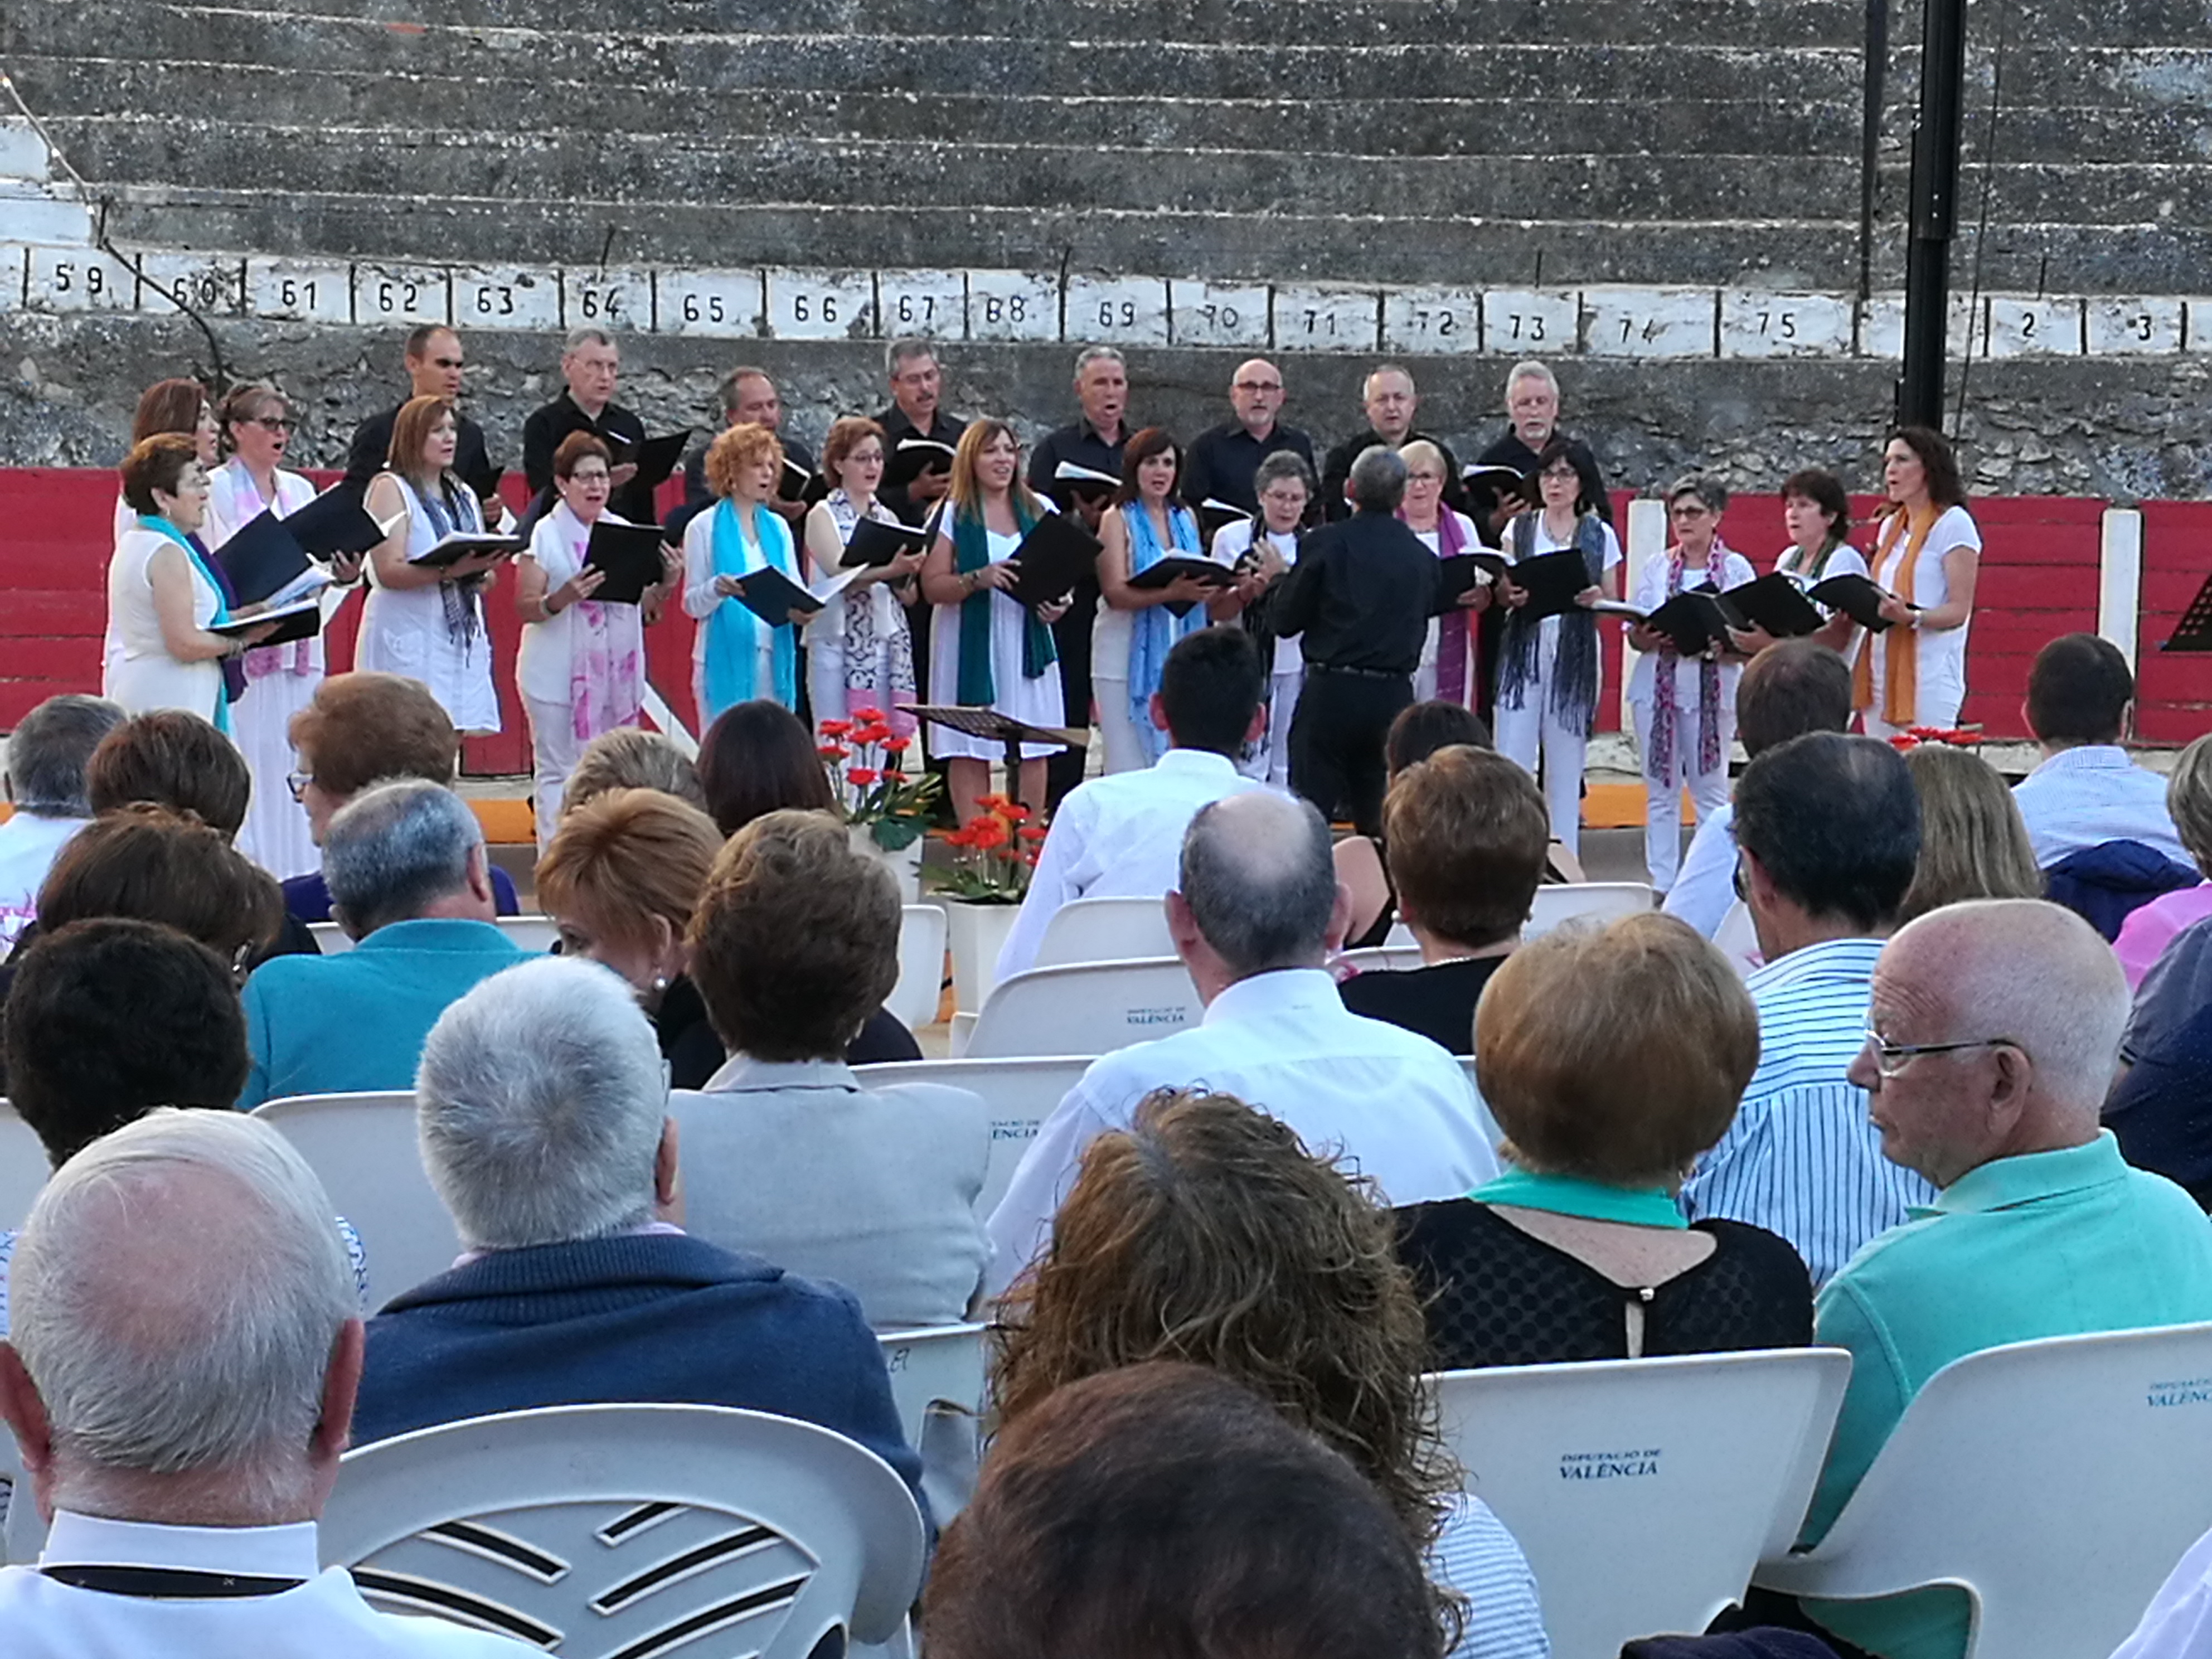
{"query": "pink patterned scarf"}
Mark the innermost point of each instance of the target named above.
(1664, 705)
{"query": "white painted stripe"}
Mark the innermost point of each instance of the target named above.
(2119, 579)
(658, 711)
(1646, 543)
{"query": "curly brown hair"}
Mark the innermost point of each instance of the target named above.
(1206, 1233)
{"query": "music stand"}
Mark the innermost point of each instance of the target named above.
(2194, 631)
(987, 723)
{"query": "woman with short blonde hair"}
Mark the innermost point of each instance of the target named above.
(736, 656)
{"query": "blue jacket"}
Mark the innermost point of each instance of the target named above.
(652, 1318)
(357, 1021)
(2103, 884)
(307, 898)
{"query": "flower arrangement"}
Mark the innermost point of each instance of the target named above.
(867, 764)
(996, 850)
(1963, 737)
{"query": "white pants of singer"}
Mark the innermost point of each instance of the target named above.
(1270, 759)
(1125, 746)
(555, 748)
(1663, 811)
(1521, 733)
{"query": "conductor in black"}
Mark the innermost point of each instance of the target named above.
(1359, 598)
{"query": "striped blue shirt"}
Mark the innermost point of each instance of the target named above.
(1476, 1556)
(1801, 1158)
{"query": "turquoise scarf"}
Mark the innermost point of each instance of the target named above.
(1592, 1200)
(1154, 631)
(733, 632)
(161, 526)
(971, 550)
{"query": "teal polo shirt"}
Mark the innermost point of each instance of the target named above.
(2047, 1244)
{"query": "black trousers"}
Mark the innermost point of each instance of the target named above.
(1336, 742)
(1071, 638)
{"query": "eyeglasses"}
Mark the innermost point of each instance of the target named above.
(1258, 385)
(274, 423)
(297, 783)
(1892, 1058)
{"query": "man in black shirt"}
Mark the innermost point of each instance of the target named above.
(917, 384)
(1532, 410)
(1094, 439)
(434, 362)
(1360, 597)
(591, 363)
(1391, 402)
(1221, 463)
(749, 398)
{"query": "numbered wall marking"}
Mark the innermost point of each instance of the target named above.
(1116, 310)
(1649, 322)
(2033, 328)
(1431, 321)
(171, 283)
(1519, 321)
(1327, 318)
(506, 296)
(710, 304)
(821, 305)
(616, 300)
(1012, 305)
(1761, 324)
(402, 295)
(1881, 327)
(297, 291)
(931, 305)
(78, 279)
(1229, 316)
(2121, 327)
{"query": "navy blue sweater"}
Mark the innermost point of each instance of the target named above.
(653, 1318)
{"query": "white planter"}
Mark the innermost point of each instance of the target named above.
(905, 864)
(976, 933)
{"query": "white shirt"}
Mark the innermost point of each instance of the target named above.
(2177, 1623)
(1394, 1105)
(1651, 594)
(1705, 886)
(1118, 836)
(1232, 543)
(42, 1618)
(2093, 793)
(29, 843)
(1940, 654)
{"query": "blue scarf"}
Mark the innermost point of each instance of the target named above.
(733, 632)
(1154, 630)
(161, 526)
(977, 685)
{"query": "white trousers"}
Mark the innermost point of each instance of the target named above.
(1521, 733)
(555, 750)
(1663, 811)
(1270, 762)
(1125, 747)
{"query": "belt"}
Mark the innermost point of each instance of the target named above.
(1359, 673)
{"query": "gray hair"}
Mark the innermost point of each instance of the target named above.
(905, 349)
(1099, 354)
(586, 334)
(52, 746)
(1529, 369)
(1279, 464)
(175, 1296)
(539, 1103)
(1259, 881)
(1387, 369)
(395, 847)
(1707, 489)
(1378, 479)
(736, 378)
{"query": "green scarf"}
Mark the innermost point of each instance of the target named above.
(1592, 1200)
(971, 550)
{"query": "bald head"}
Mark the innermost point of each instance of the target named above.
(1259, 882)
(1255, 392)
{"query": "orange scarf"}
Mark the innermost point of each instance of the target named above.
(1892, 568)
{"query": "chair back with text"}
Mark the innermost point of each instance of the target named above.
(936, 1364)
(1092, 1008)
(600, 1531)
(2055, 1482)
(362, 1148)
(1643, 1491)
(1105, 930)
(1592, 901)
(23, 1169)
(535, 934)
(915, 999)
(1020, 1093)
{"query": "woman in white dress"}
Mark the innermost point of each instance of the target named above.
(280, 679)
(735, 656)
(581, 666)
(162, 599)
(1134, 631)
(1548, 670)
(859, 654)
(1927, 553)
(1684, 707)
(1448, 668)
(1268, 546)
(986, 648)
(420, 622)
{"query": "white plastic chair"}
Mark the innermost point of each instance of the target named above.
(536, 934)
(22, 1167)
(1382, 958)
(920, 985)
(363, 1149)
(16, 1496)
(600, 1530)
(938, 1364)
(1738, 940)
(331, 938)
(1490, 1129)
(1020, 1093)
(1594, 901)
(1643, 1491)
(1090, 1008)
(2056, 1482)
(1105, 930)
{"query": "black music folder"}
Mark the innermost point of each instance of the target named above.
(1070, 480)
(1161, 572)
(876, 544)
(630, 555)
(1056, 554)
(302, 619)
(262, 557)
(913, 458)
(656, 458)
(450, 550)
(1693, 619)
(1551, 580)
(1777, 606)
(774, 597)
(1856, 597)
(1215, 515)
(797, 484)
(336, 522)
(1463, 571)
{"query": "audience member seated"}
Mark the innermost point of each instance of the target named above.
(1117, 836)
(1417, 734)
(2085, 791)
(2177, 1623)
(1827, 833)
(408, 879)
(794, 943)
(1164, 1510)
(631, 757)
(2161, 1106)
(180, 1379)
(1792, 687)
(1466, 830)
(1973, 844)
(363, 729)
(1177, 1229)
(173, 759)
(1611, 1057)
(46, 757)
(1991, 1043)
(2151, 927)
(1258, 912)
(543, 1117)
(757, 757)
